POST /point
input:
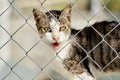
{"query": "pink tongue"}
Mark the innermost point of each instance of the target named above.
(55, 45)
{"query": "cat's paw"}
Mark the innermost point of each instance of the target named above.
(69, 64)
(78, 69)
(73, 66)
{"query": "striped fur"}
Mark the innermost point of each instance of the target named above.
(101, 50)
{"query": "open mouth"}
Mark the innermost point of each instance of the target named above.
(55, 45)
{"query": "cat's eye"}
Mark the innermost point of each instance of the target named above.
(62, 28)
(46, 29)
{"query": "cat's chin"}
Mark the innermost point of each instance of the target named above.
(55, 46)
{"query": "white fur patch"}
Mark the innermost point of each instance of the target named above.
(64, 50)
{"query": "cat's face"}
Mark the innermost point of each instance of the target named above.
(54, 26)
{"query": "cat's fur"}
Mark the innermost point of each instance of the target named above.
(96, 47)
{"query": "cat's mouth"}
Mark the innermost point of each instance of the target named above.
(55, 45)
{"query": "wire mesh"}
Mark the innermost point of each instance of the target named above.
(22, 55)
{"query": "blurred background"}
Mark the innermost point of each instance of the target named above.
(24, 56)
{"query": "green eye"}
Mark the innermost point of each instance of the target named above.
(46, 29)
(62, 28)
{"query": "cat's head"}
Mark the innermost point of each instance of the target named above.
(54, 26)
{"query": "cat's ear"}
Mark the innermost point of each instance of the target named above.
(38, 14)
(66, 12)
(40, 18)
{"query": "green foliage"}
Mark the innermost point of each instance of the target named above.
(60, 5)
(113, 5)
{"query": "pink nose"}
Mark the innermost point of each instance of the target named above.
(56, 38)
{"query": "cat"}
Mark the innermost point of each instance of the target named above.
(96, 47)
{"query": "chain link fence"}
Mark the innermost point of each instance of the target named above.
(24, 56)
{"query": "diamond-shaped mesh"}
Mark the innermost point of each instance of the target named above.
(26, 56)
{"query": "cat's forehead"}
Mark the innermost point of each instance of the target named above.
(54, 23)
(54, 18)
(53, 14)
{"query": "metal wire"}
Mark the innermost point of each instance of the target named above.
(27, 52)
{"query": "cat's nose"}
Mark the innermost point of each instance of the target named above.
(56, 38)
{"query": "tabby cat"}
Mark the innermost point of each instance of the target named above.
(93, 49)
